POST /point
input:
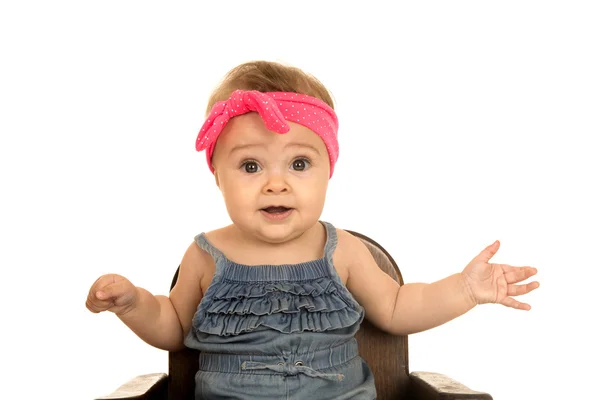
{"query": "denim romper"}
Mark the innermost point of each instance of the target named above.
(278, 332)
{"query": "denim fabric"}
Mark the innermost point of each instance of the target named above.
(278, 332)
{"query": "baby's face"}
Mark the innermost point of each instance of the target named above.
(274, 185)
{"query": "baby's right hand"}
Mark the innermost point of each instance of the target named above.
(111, 292)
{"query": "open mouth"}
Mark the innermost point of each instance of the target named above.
(276, 209)
(276, 213)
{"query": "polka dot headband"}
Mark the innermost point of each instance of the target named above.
(275, 108)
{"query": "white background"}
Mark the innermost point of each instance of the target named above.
(461, 123)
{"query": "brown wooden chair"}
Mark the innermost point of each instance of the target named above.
(387, 356)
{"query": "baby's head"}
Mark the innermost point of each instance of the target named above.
(267, 76)
(297, 97)
(271, 140)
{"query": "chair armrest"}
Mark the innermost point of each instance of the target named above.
(434, 386)
(143, 387)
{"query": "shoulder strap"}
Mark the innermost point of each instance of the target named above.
(330, 244)
(207, 246)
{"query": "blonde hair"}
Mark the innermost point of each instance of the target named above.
(268, 76)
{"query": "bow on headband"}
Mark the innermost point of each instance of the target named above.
(275, 109)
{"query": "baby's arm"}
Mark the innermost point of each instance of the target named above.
(159, 320)
(416, 307)
(412, 308)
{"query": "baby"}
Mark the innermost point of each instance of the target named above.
(273, 300)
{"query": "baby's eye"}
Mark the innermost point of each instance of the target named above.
(251, 166)
(300, 164)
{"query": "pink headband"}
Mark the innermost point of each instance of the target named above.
(275, 108)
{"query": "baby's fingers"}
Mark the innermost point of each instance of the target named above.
(518, 274)
(512, 303)
(518, 290)
(95, 305)
(116, 293)
(106, 296)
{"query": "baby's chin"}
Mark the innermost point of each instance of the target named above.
(278, 234)
(276, 229)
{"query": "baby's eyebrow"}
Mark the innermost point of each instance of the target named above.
(305, 145)
(291, 144)
(245, 146)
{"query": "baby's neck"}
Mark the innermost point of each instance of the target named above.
(249, 250)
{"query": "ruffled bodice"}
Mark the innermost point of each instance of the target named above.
(245, 303)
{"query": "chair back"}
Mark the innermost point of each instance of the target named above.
(386, 355)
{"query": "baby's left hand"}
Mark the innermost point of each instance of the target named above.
(497, 283)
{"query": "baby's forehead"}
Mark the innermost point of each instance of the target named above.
(249, 129)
